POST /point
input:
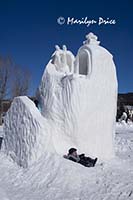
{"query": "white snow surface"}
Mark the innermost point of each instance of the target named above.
(54, 178)
(1, 131)
(81, 103)
(26, 131)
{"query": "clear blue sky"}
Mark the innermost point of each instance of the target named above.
(29, 32)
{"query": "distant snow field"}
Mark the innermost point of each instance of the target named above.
(54, 178)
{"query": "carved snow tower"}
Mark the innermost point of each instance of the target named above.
(78, 96)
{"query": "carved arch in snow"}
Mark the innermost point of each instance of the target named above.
(84, 62)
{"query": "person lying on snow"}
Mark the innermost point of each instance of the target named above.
(82, 159)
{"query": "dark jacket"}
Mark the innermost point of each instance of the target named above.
(73, 158)
(82, 159)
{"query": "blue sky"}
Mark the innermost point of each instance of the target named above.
(29, 32)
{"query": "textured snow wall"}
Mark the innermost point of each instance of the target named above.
(82, 104)
(26, 132)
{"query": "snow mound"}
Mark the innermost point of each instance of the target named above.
(26, 132)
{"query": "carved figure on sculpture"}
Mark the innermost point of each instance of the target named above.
(63, 60)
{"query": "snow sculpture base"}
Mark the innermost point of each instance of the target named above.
(25, 132)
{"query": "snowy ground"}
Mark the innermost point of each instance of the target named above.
(54, 178)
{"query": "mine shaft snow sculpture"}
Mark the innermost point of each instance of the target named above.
(80, 99)
(77, 99)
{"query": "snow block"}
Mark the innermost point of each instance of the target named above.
(25, 132)
(81, 103)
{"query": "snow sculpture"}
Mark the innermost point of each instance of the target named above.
(84, 58)
(77, 98)
(63, 60)
(26, 132)
(81, 104)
